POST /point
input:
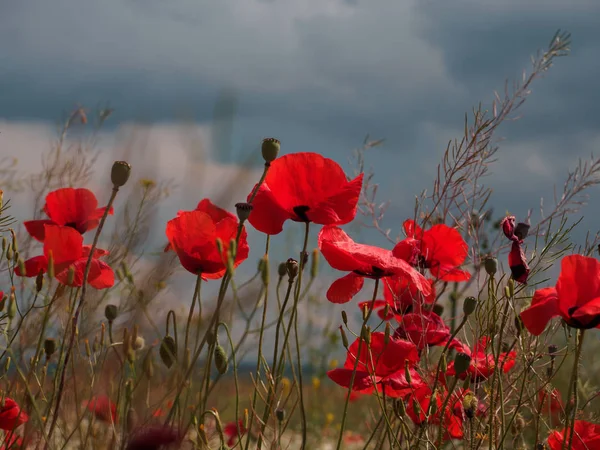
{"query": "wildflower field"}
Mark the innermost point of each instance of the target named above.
(470, 329)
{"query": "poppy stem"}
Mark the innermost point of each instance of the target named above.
(191, 313)
(570, 429)
(356, 360)
(74, 320)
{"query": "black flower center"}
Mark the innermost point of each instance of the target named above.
(375, 272)
(301, 211)
(575, 323)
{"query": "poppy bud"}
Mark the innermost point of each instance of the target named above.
(438, 309)
(71, 275)
(148, 366)
(88, 349)
(49, 347)
(314, 265)
(491, 265)
(168, 351)
(110, 312)
(462, 361)
(39, 281)
(9, 254)
(264, 270)
(102, 333)
(230, 264)
(344, 337)
(11, 312)
(243, 211)
(469, 306)
(221, 362)
(270, 149)
(282, 270)
(344, 317)
(365, 311)
(407, 373)
(366, 334)
(388, 328)
(292, 269)
(50, 270)
(511, 288)
(119, 174)
(245, 420)
(14, 245)
(280, 414)
(467, 383)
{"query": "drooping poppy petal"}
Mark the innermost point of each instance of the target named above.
(342, 253)
(544, 306)
(578, 282)
(33, 266)
(517, 262)
(304, 187)
(36, 228)
(344, 289)
(64, 243)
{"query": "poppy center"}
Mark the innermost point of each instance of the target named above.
(301, 211)
(576, 323)
(375, 272)
(72, 225)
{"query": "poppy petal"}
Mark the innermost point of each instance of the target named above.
(578, 282)
(588, 315)
(449, 273)
(362, 380)
(544, 306)
(101, 275)
(343, 289)
(36, 228)
(65, 243)
(412, 230)
(444, 245)
(339, 208)
(33, 266)
(70, 206)
(267, 216)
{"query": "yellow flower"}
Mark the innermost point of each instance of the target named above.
(316, 382)
(286, 384)
(329, 418)
(333, 364)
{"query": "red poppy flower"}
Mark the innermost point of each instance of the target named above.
(75, 208)
(483, 363)
(418, 406)
(380, 366)
(586, 436)
(425, 330)
(11, 415)
(576, 297)
(66, 246)
(230, 431)
(441, 249)
(362, 261)
(103, 409)
(304, 187)
(153, 437)
(216, 213)
(517, 261)
(193, 235)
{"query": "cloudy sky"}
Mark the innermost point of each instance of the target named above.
(317, 74)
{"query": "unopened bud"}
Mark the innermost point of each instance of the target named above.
(88, 349)
(148, 366)
(344, 317)
(292, 269)
(49, 347)
(111, 312)
(344, 337)
(270, 149)
(221, 360)
(469, 306)
(119, 174)
(280, 414)
(282, 270)
(388, 330)
(407, 373)
(39, 281)
(50, 270)
(444, 363)
(168, 351)
(12, 306)
(265, 269)
(491, 265)
(314, 265)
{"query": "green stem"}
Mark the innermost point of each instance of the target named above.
(573, 389)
